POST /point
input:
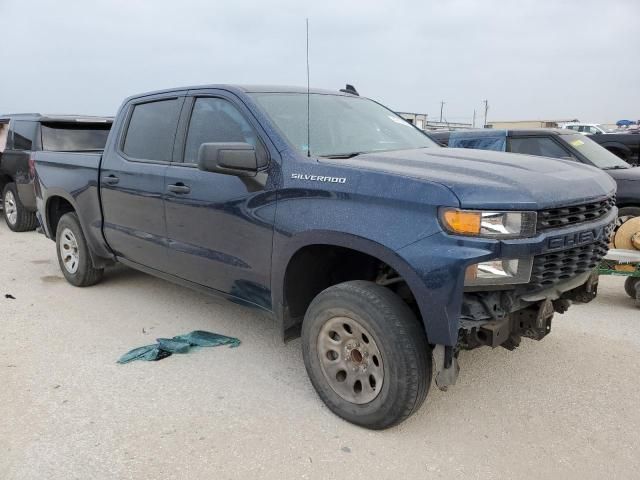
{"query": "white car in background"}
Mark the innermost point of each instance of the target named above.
(586, 128)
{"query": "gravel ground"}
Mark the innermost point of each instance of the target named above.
(566, 407)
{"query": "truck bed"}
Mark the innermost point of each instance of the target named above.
(73, 176)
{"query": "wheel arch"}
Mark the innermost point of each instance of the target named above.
(308, 252)
(57, 204)
(4, 179)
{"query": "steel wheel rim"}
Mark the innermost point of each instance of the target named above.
(69, 251)
(350, 360)
(10, 208)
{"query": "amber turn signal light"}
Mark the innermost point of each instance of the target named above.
(463, 222)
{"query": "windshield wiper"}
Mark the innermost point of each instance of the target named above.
(343, 155)
(616, 167)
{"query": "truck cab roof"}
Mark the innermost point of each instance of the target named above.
(238, 88)
(50, 118)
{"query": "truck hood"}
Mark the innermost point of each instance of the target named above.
(488, 179)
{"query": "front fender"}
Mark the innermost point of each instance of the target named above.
(284, 252)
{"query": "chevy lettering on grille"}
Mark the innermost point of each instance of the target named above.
(318, 178)
(580, 238)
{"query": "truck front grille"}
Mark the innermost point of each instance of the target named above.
(552, 268)
(564, 216)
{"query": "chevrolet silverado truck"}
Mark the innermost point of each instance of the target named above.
(556, 143)
(23, 134)
(387, 253)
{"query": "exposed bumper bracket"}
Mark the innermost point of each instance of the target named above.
(446, 366)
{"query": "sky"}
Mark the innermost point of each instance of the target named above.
(531, 59)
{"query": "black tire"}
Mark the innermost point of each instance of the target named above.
(630, 286)
(397, 335)
(22, 219)
(629, 212)
(83, 273)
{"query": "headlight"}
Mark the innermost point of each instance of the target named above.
(478, 223)
(499, 271)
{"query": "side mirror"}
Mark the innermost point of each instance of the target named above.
(229, 158)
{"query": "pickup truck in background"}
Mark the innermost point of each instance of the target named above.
(384, 251)
(23, 134)
(555, 143)
(624, 145)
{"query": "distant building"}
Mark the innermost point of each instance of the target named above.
(417, 119)
(422, 121)
(529, 124)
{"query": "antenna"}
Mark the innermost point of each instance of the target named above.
(308, 99)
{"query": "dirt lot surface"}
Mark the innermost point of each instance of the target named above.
(566, 407)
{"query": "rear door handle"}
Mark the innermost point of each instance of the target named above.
(110, 180)
(179, 188)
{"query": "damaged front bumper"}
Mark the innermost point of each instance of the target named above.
(504, 326)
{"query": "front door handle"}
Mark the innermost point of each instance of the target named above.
(179, 188)
(110, 180)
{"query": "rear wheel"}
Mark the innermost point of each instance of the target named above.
(366, 354)
(73, 254)
(17, 217)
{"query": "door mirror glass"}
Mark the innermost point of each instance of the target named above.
(229, 158)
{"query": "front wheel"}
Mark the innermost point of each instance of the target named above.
(73, 254)
(17, 217)
(366, 354)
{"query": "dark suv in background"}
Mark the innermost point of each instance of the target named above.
(25, 133)
(555, 143)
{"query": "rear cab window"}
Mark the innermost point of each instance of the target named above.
(74, 137)
(151, 130)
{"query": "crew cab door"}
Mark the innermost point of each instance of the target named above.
(132, 181)
(219, 226)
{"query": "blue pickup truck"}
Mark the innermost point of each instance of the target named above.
(387, 253)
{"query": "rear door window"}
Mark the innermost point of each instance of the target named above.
(152, 130)
(539, 146)
(63, 137)
(24, 134)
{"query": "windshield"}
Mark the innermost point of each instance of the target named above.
(599, 156)
(340, 125)
(62, 137)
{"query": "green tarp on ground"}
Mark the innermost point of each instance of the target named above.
(178, 344)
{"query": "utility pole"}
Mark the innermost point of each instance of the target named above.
(486, 109)
(441, 108)
(473, 123)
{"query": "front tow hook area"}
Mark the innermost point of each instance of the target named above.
(533, 322)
